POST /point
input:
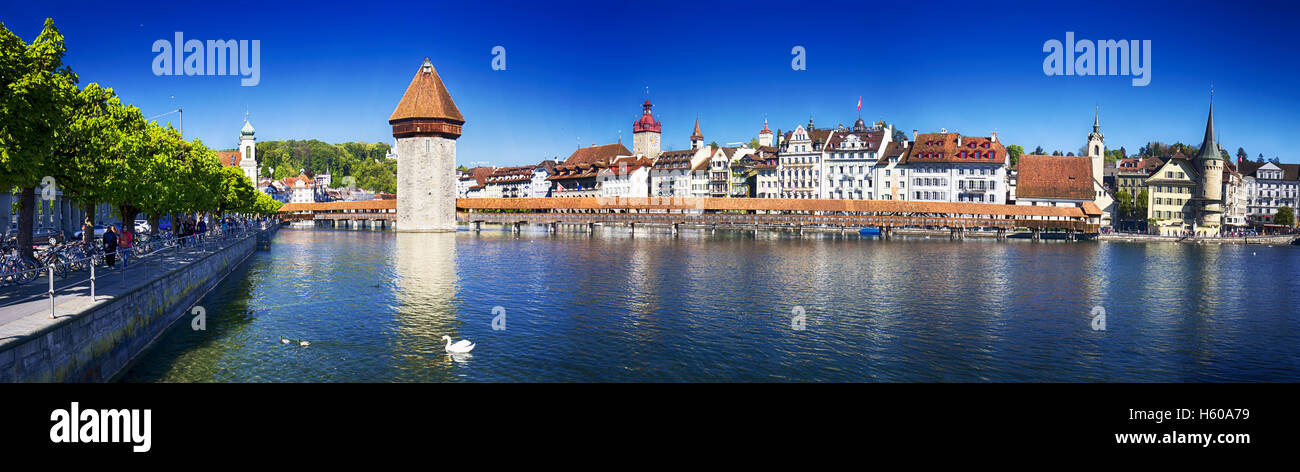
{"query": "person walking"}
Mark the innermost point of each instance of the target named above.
(124, 244)
(88, 232)
(110, 247)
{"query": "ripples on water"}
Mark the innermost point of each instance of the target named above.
(702, 307)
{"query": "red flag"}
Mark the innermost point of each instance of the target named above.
(859, 103)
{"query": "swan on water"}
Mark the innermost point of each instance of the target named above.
(304, 344)
(460, 346)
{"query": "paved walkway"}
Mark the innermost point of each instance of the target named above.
(25, 309)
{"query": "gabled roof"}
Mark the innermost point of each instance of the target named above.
(603, 154)
(893, 149)
(230, 158)
(944, 148)
(1056, 177)
(426, 97)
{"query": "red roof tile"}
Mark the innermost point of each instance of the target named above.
(1060, 177)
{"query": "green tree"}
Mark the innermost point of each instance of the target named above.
(37, 87)
(1014, 152)
(1284, 216)
(753, 143)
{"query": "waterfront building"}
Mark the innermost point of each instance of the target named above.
(766, 161)
(743, 178)
(626, 177)
(1268, 187)
(509, 182)
(1234, 199)
(720, 171)
(1171, 193)
(472, 181)
(302, 189)
(646, 132)
(576, 177)
(800, 160)
(670, 175)
(1186, 195)
(1054, 180)
(700, 175)
(889, 175)
(539, 187)
(849, 159)
(949, 167)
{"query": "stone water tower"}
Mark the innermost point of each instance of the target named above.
(426, 124)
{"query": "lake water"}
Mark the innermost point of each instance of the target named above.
(700, 307)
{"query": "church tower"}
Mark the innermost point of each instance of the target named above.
(1209, 162)
(426, 124)
(765, 135)
(248, 151)
(645, 133)
(697, 138)
(1097, 153)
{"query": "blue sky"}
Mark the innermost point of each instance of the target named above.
(577, 72)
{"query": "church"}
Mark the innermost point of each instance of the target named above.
(245, 158)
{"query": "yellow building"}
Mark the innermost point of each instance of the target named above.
(1169, 197)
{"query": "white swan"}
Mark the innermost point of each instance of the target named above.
(304, 344)
(461, 346)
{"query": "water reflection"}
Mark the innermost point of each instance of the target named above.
(719, 307)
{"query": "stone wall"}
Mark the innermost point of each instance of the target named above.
(100, 343)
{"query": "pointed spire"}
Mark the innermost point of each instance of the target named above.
(427, 102)
(697, 135)
(1096, 120)
(1209, 147)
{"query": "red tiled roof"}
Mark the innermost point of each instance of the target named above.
(893, 149)
(943, 147)
(674, 160)
(426, 97)
(511, 174)
(597, 154)
(1061, 177)
(229, 158)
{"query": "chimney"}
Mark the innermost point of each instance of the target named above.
(959, 140)
(913, 135)
(995, 136)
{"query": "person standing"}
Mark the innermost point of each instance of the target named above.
(87, 232)
(124, 243)
(110, 247)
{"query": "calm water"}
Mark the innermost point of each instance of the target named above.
(718, 308)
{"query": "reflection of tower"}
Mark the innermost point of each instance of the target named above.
(645, 133)
(425, 266)
(426, 124)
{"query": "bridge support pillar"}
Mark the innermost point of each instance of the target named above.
(631, 228)
(514, 227)
(478, 226)
(675, 229)
(591, 228)
(1036, 235)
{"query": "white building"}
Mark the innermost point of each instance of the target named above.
(248, 151)
(540, 187)
(949, 167)
(799, 168)
(1269, 186)
(302, 189)
(889, 175)
(849, 160)
(671, 174)
(626, 177)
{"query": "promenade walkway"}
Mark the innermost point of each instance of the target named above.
(25, 309)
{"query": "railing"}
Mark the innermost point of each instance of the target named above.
(146, 250)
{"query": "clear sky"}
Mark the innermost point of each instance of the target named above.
(577, 72)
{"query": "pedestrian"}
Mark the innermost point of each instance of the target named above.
(203, 228)
(110, 247)
(124, 244)
(88, 231)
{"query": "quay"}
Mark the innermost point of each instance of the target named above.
(95, 338)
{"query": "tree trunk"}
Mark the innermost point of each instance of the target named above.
(7, 211)
(26, 217)
(128, 213)
(153, 223)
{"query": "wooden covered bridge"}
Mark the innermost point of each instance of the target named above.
(794, 214)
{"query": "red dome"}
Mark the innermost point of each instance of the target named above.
(647, 121)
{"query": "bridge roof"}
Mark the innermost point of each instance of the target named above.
(1088, 209)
